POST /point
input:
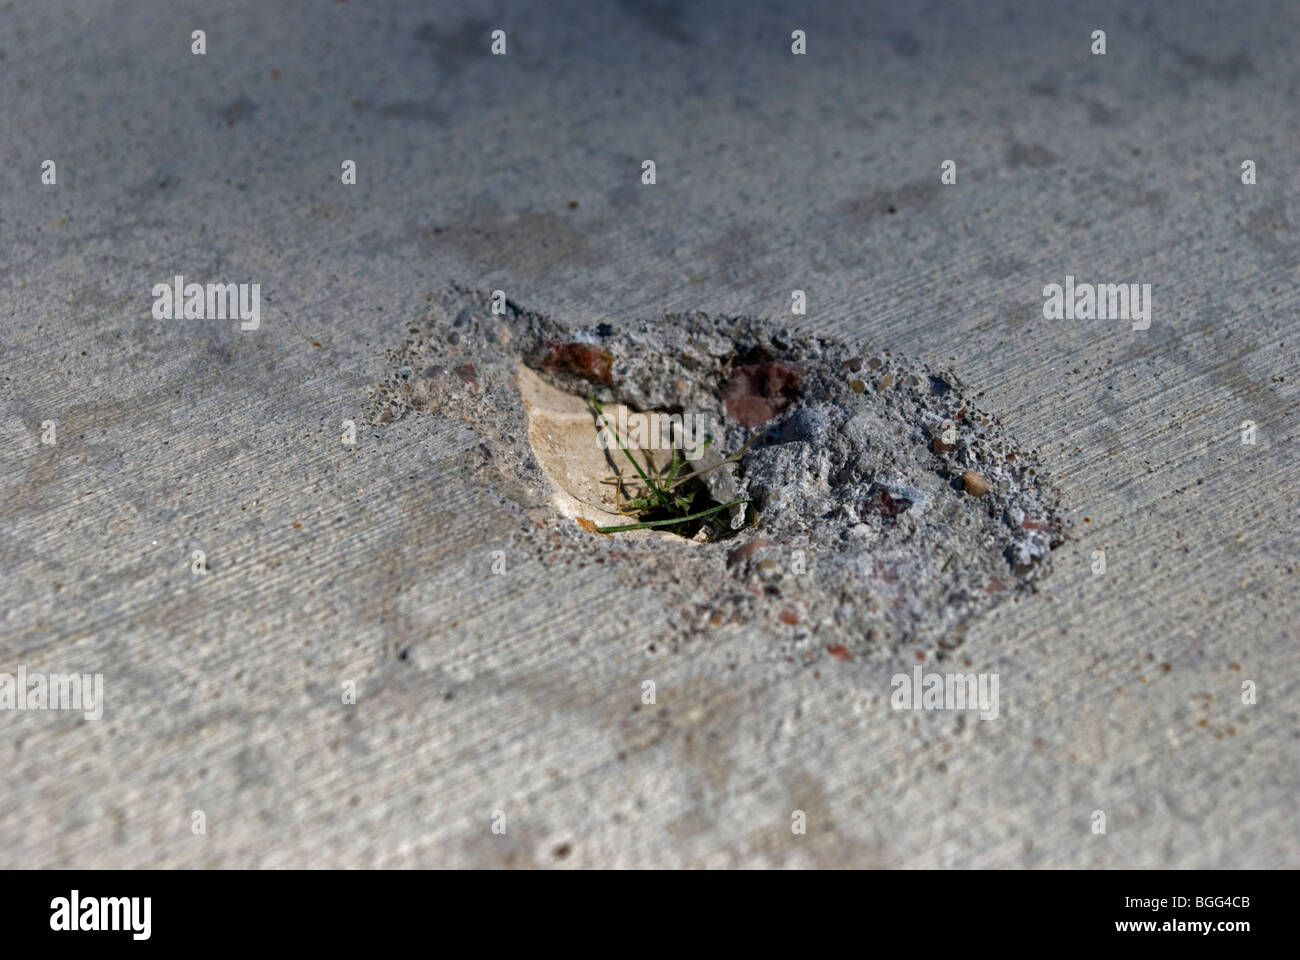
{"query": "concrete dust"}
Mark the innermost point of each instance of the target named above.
(865, 532)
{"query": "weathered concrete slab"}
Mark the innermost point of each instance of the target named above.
(522, 692)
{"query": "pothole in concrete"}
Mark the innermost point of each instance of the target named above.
(881, 505)
(615, 470)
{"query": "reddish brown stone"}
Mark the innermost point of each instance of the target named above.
(975, 483)
(881, 501)
(593, 364)
(467, 373)
(757, 392)
(745, 551)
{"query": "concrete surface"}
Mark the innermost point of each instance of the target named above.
(521, 692)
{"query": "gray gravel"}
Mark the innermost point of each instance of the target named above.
(498, 665)
(863, 537)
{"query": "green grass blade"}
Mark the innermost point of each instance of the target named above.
(677, 463)
(660, 495)
(665, 523)
(721, 463)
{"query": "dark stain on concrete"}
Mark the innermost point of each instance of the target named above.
(1099, 115)
(428, 110)
(664, 17)
(826, 843)
(708, 730)
(1045, 86)
(537, 242)
(737, 254)
(890, 201)
(1228, 364)
(237, 110)
(1269, 229)
(453, 50)
(161, 182)
(1000, 265)
(906, 45)
(1223, 70)
(1134, 194)
(1030, 155)
(1100, 185)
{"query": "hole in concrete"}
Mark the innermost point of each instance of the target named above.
(612, 467)
(884, 506)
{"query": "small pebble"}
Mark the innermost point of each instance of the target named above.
(975, 483)
(857, 386)
(467, 373)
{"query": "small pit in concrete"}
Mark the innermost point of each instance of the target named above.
(602, 465)
(883, 505)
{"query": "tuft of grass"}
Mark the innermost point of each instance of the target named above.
(669, 497)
